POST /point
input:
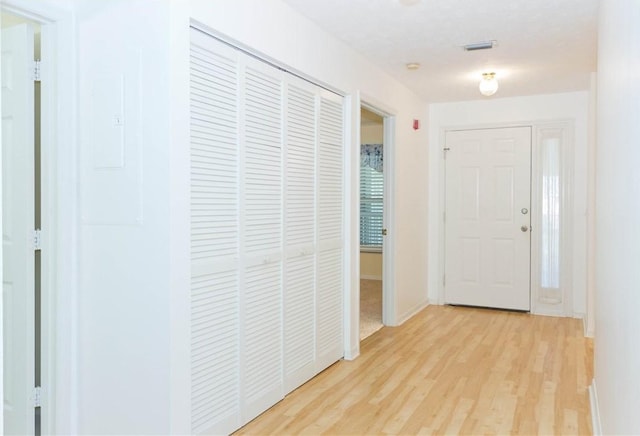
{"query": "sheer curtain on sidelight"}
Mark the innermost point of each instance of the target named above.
(550, 207)
(554, 214)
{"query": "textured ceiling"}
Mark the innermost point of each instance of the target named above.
(543, 46)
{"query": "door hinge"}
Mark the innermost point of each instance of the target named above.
(37, 396)
(37, 239)
(37, 72)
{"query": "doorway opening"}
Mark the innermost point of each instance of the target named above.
(21, 223)
(372, 202)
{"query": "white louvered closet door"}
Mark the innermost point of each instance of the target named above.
(300, 228)
(262, 223)
(215, 250)
(330, 189)
(266, 234)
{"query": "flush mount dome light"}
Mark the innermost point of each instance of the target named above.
(488, 84)
(408, 2)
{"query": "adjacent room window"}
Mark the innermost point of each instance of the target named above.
(371, 196)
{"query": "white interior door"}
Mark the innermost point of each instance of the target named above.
(488, 197)
(18, 289)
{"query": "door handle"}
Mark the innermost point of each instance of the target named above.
(524, 228)
(384, 232)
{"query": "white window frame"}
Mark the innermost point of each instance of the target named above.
(559, 304)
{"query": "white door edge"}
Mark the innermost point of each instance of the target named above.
(59, 210)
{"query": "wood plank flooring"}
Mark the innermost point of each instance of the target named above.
(450, 370)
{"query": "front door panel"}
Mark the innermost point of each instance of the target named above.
(488, 196)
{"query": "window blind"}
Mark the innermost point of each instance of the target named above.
(371, 206)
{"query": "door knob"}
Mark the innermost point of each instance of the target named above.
(524, 228)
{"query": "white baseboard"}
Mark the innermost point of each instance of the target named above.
(370, 277)
(410, 313)
(596, 425)
(352, 354)
(588, 333)
(588, 330)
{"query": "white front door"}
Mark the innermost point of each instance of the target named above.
(487, 218)
(18, 287)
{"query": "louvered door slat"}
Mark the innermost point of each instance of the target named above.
(262, 238)
(263, 162)
(262, 329)
(300, 175)
(329, 317)
(330, 219)
(215, 405)
(330, 157)
(262, 363)
(300, 169)
(299, 321)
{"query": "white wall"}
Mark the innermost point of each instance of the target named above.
(372, 134)
(617, 354)
(123, 325)
(494, 112)
(276, 31)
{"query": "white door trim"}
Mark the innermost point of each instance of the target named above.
(352, 215)
(389, 315)
(59, 209)
(389, 294)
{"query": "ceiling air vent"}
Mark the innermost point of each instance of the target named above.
(484, 45)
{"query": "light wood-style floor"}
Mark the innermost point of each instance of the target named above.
(450, 370)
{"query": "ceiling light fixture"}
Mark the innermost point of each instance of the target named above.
(409, 2)
(412, 66)
(488, 84)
